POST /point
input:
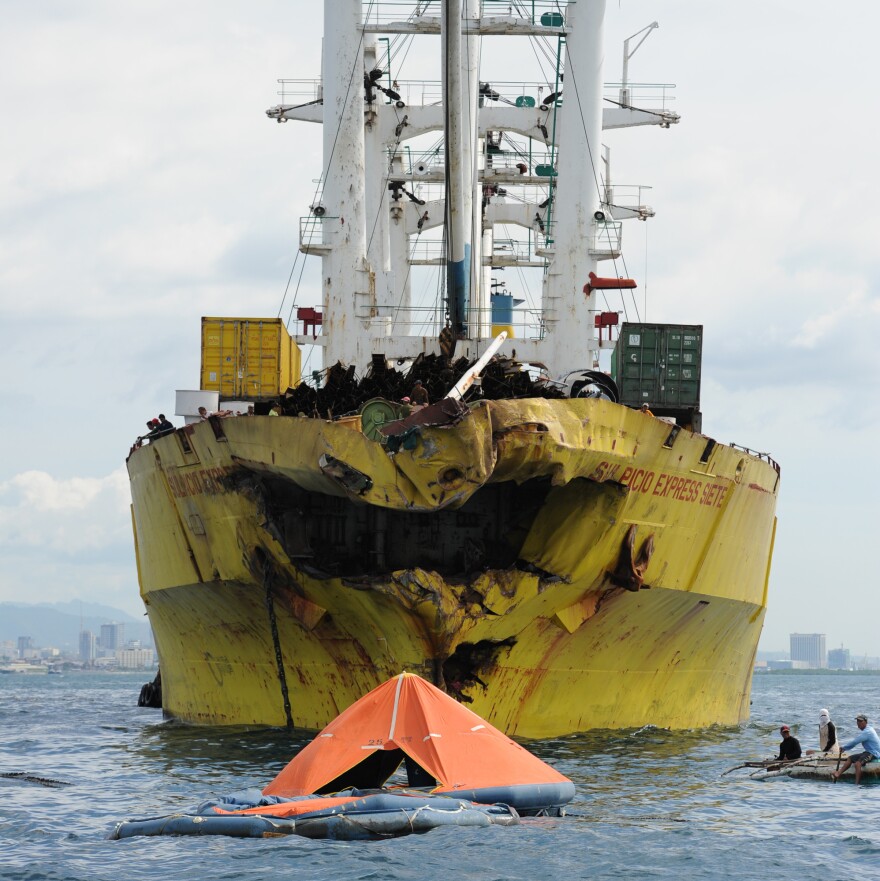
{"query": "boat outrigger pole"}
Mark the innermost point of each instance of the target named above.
(458, 212)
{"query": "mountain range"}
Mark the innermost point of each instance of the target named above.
(58, 625)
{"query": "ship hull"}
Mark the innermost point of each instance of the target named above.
(613, 574)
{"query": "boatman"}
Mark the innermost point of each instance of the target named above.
(790, 748)
(866, 736)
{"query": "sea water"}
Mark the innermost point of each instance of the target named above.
(650, 803)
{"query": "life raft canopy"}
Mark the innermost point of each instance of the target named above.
(442, 743)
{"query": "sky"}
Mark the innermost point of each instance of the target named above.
(142, 187)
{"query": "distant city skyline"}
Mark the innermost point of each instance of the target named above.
(807, 651)
(109, 650)
(872, 649)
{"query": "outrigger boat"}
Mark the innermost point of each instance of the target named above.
(815, 767)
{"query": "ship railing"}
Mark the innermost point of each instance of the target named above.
(519, 168)
(430, 92)
(536, 162)
(523, 323)
(605, 237)
(520, 323)
(416, 163)
(764, 457)
(645, 96)
(536, 12)
(627, 195)
(510, 92)
(514, 252)
(604, 241)
(648, 96)
(300, 91)
(313, 234)
(431, 251)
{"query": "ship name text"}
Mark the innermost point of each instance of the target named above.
(194, 483)
(663, 485)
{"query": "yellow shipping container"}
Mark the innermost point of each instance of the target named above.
(248, 358)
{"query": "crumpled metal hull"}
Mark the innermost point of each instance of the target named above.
(560, 565)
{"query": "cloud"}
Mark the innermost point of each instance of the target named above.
(73, 517)
(63, 538)
(853, 308)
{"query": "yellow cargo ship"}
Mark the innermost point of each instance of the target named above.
(561, 561)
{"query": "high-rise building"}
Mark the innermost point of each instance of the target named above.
(809, 647)
(87, 646)
(24, 643)
(838, 659)
(112, 637)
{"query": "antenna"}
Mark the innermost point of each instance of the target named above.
(624, 80)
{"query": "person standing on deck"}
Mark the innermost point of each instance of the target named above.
(866, 736)
(790, 748)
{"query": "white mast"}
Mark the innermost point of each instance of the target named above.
(479, 318)
(376, 161)
(349, 292)
(358, 287)
(570, 342)
(398, 251)
(459, 209)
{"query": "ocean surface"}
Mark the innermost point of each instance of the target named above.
(650, 803)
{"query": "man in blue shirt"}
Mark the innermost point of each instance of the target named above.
(867, 736)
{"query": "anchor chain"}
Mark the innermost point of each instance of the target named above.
(279, 660)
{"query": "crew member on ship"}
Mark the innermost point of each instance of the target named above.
(646, 411)
(790, 748)
(419, 394)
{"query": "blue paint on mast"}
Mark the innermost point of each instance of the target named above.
(458, 290)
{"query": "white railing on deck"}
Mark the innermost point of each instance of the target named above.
(643, 96)
(378, 12)
(647, 96)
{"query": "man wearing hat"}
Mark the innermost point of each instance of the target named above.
(419, 394)
(867, 736)
(790, 748)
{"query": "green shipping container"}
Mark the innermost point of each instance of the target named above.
(659, 365)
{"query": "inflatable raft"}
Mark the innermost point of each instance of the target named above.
(346, 817)
(460, 771)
